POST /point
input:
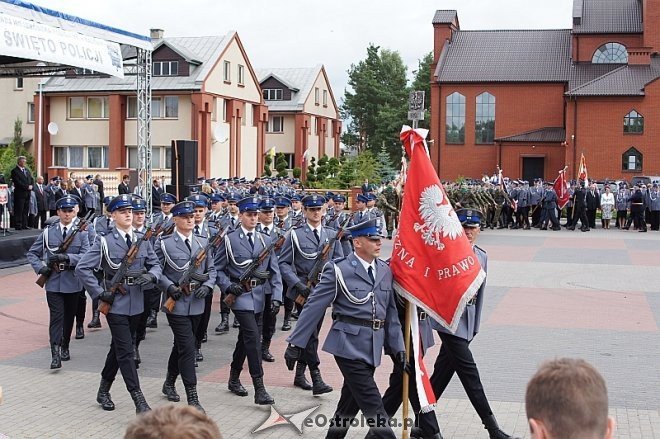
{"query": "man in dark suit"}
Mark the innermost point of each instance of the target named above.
(366, 187)
(99, 186)
(42, 203)
(79, 192)
(593, 203)
(124, 187)
(23, 182)
(156, 192)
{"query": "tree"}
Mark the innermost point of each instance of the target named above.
(14, 150)
(322, 171)
(385, 169)
(422, 82)
(311, 171)
(356, 169)
(377, 106)
(333, 167)
(268, 160)
(281, 165)
(297, 172)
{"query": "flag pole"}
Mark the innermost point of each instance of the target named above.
(406, 378)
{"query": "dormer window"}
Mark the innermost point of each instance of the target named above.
(165, 68)
(610, 53)
(273, 94)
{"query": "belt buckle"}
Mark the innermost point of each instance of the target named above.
(61, 266)
(423, 315)
(318, 278)
(254, 283)
(194, 286)
(376, 324)
(130, 281)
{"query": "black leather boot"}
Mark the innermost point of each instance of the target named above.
(103, 396)
(236, 324)
(136, 356)
(494, 432)
(56, 361)
(80, 332)
(300, 380)
(141, 405)
(318, 386)
(169, 388)
(418, 433)
(234, 384)
(265, 352)
(205, 338)
(198, 354)
(223, 327)
(152, 320)
(286, 324)
(261, 397)
(193, 399)
(96, 321)
(64, 352)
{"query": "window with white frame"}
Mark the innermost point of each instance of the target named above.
(290, 162)
(316, 95)
(214, 110)
(325, 98)
(171, 107)
(95, 157)
(314, 122)
(165, 68)
(226, 71)
(156, 107)
(131, 107)
(632, 160)
(241, 75)
(98, 107)
(161, 157)
(19, 84)
(275, 124)
(30, 112)
(224, 110)
(273, 94)
(76, 107)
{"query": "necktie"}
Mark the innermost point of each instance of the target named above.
(360, 217)
(128, 240)
(196, 230)
(64, 233)
(249, 235)
(233, 222)
(108, 223)
(24, 171)
(188, 244)
(371, 274)
(316, 235)
(266, 231)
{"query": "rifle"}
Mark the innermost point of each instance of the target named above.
(63, 247)
(314, 275)
(117, 281)
(189, 276)
(245, 279)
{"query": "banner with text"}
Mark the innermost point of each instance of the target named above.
(27, 39)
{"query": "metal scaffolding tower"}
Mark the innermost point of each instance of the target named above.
(144, 126)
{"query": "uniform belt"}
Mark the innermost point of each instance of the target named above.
(373, 324)
(253, 281)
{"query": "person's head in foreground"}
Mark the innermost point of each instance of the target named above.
(173, 422)
(567, 399)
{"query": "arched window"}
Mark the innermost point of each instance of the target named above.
(633, 122)
(610, 53)
(632, 160)
(455, 125)
(485, 120)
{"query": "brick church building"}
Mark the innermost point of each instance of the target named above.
(533, 101)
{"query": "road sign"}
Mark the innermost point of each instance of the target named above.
(416, 115)
(416, 105)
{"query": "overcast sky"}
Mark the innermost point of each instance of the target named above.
(303, 33)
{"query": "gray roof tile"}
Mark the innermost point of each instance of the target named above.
(507, 56)
(444, 16)
(300, 78)
(608, 16)
(541, 135)
(626, 80)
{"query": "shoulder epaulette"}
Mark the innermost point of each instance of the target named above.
(477, 247)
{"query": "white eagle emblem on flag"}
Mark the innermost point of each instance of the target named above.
(440, 220)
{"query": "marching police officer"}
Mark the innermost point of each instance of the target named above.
(283, 222)
(341, 214)
(247, 300)
(107, 253)
(176, 252)
(230, 221)
(359, 288)
(297, 258)
(455, 355)
(62, 287)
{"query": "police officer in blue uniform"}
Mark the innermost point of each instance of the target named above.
(297, 258)
(455, 355)
(359, 289)
(361, 212)
(229, 221)
(175, 252)
(241, 247)
(107, 253)
(62, 287)
(339, 219)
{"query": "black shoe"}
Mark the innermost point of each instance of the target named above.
(96, 321)
(169, 389)
(265, 352)
(64, 353)
(205, 338)
(103, 396)
(80, 332)
(261, 396)
(494, 431)
(300, 380)
(141, 405)
(556, 228)
(286, 325)
(570, 228)
(136, 356)
(236, 324)
(418, 433)
(198, 355)
(193, 399)
(152, 320)
(584, 229)
(223, 327)
(318, 386)
(294, 315)
(56, 361)
(544, 228)
(643, 230)
(234, 385)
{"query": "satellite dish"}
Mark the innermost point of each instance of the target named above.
(220, 133)
(53, 129)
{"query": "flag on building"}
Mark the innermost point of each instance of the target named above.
(561, 188)
(582, 172)
(304, 157)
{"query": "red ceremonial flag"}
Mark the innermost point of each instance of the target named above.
(433, 263)
(561, 188)
(582, 172)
